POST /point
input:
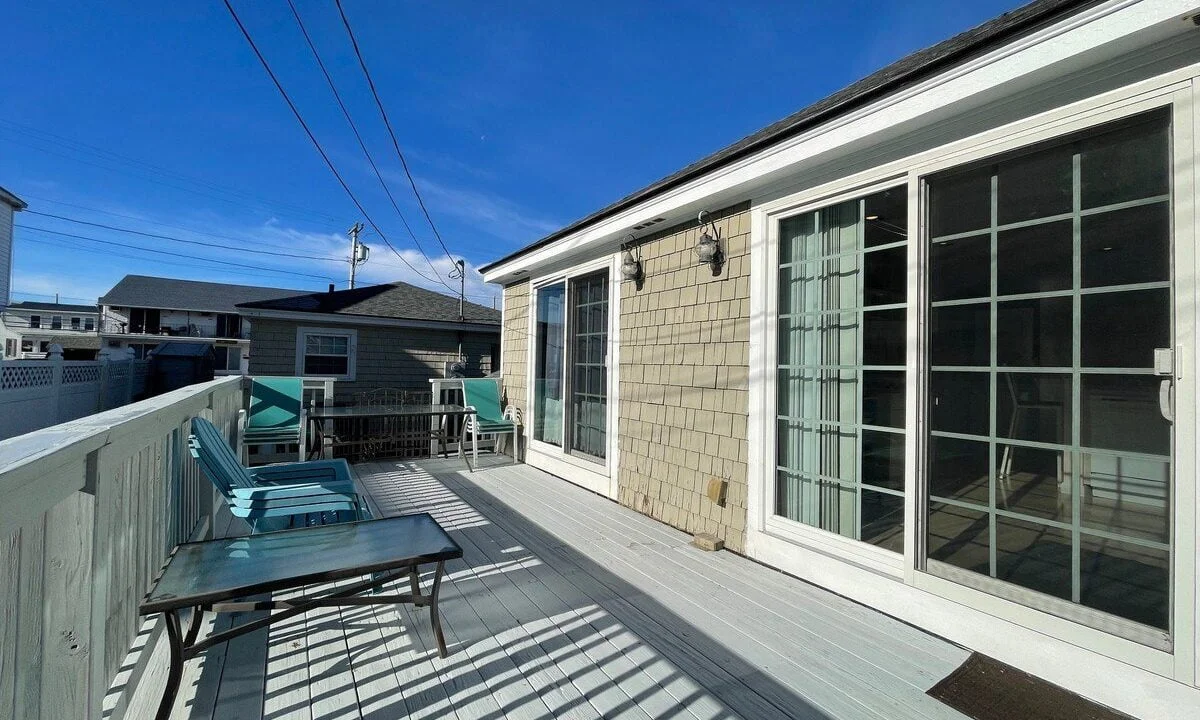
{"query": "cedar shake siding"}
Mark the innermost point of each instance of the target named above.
(684, 344)
(387, 357)
(515, 351)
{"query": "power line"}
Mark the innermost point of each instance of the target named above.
(172, 254)
(313, 138)
(111, 157)
(181, 240)
(358, 136)
(218, 236)
(395, 143)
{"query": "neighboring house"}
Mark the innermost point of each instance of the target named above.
(30, 328)
(383, 336)
(139, 312)
(9, 204)
(934, 371)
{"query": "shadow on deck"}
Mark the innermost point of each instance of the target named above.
(568, 605)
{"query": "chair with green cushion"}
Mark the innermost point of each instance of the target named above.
(483, 395)
(277, 415)
(276, 496)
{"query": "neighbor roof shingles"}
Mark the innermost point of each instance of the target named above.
(172, 294)
(392, 300)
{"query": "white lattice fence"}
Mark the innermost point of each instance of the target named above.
(20, 375)
(82, 372)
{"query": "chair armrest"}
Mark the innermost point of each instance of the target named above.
(330, 473)
(513, 413)
(313, 491)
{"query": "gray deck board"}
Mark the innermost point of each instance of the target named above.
(568, 605)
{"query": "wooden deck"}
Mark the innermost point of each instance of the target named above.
(568, 605)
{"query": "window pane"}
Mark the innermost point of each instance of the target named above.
(589, 395)
(1034, 186)
(960, 269)
(961, 202)
(1034, 259)
(883, 398)
(959, 402)
(959, 537)
(1127, 246)
(797, 238)
(883, 459)
(960, 334)
(1126, 164)
(1034, 482)
(1034, 556)
(1034, 333)
(883, 520)
(1127, 496)
(1121, 329)
(1126, 580)
(886, 217)
(884, 337)
(958, 469)
(1035, 407)
(325, 365)
(885, 276)
(1121, 412)
(549, 365)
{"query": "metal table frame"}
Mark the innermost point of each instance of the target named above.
(184, 646)
(435, 412)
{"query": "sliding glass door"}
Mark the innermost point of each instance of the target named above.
(841, 353)
(1049, 450)
(570, 405)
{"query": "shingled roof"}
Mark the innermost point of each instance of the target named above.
(171, 294)
(395, 300)
(28, 305)
(901, 74)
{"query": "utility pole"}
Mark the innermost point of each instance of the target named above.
(358, 252)
(462, 288)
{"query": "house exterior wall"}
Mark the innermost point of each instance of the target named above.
(198, 324)
(515, 346)
(6, 239)
(386, 357)
(684, 337)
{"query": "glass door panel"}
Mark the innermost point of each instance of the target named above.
(589, 360)
(549, 361)
(1049, 456)
(841, 351)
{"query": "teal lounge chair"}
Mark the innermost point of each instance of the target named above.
(277, 415)
(276, 496)
(483, 395)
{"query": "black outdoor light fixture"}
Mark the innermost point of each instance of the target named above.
(708, 250)
(631, 265)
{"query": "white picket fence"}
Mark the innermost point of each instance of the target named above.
(35, 394)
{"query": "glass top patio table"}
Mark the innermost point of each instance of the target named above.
(211, 571)
(365, 411)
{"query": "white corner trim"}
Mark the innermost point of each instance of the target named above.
(352, 348)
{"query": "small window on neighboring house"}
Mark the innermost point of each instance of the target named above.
(56, 322)
(75, 323)
(89, 324)
(10, 348)
(35, 321)
(26, 346)
(327, 353)
(227, 358)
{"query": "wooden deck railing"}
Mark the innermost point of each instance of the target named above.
(88, 511)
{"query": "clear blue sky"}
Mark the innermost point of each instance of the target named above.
(516, 118)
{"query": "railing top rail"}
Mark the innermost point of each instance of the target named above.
(25, 458)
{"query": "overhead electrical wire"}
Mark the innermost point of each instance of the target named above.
(316, 143)
(362, 144)
(395, 143)
(172, 254)
(181, 240)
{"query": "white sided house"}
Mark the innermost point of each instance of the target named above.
(942, 358)
(31, 327)
(9, 204)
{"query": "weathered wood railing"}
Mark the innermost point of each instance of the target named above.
(88, 511)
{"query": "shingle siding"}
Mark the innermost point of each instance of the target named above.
(683, 396)
(515, 359)
(387, 357)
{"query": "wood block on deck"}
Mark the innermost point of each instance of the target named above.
(708, 541)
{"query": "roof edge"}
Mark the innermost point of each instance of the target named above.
(993, 33)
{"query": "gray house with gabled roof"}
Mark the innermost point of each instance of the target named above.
(393, 335)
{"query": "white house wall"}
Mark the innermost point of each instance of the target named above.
(6, 253)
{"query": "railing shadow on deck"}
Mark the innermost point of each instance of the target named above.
(596, 616)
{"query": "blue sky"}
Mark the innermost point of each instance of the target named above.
(516, 119)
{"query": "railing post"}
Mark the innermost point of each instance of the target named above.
(56, 364)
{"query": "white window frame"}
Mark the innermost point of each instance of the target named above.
(597, 475)
(351, 335)
(769, 537)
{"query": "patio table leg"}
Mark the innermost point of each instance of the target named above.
(175, 673)
(433, 609)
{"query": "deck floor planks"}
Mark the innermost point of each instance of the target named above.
(836, 671)
(568, 605)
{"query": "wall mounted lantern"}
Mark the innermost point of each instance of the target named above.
(708, 250)
(631, 265)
